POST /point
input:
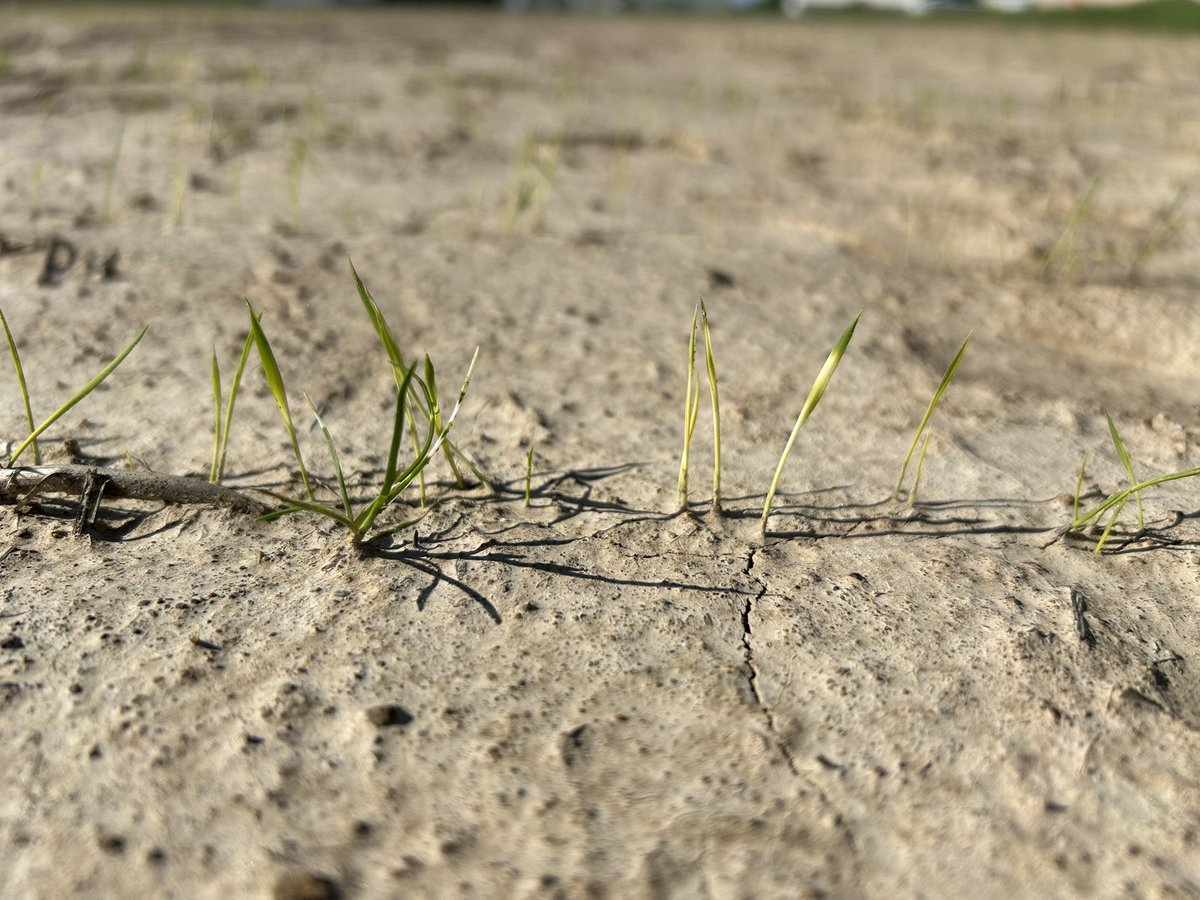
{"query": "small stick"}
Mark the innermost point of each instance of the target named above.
(24, 482)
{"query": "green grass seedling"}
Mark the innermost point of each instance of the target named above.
(110, 173)
(221, 424)
(1078, 489)
(691, 409)
(529, 475)
(711, 365)
(396, 478)
(814, 397)
(21, 385)
(1123, 454)
(1170, 223)
(1116, 502)
(95, 382)
(1119, 499)
(274, 378)
(921, 429)
(1066, 255)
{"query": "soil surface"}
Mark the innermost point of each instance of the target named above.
(595, 695)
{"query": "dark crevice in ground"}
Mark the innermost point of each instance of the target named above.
(752, 667)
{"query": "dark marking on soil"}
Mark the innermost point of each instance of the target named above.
(1079, 610)
(389, 714)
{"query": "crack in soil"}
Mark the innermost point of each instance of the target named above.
(752, 668)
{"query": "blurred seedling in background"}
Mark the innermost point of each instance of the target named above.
(810, 404)
(110, 173)
(691, 410)
(532, 180)
(1166, 228)
(922, 429)
(1064, 259)
(36, 431)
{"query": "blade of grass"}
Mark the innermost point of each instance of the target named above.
(435, 420)
(937, 397)
(691, 410)
(216, 387)
(24, 389)
(716, 410)
(77, 396)
(295, 506)
(1109, 527)
(529, 475)
(390, 472)
(1079, 487)
(912, 495)
(1124, 456)
(233, 395)
(343, 494)
(274, 378)
(814, 397)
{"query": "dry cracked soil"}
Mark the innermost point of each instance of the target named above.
(595, 695)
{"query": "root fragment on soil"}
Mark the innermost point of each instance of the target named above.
(22, 484)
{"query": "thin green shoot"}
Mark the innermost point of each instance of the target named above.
(1066, 253)
(221, 425)
(1124, 457)
(333, 455)
(296, 176)
(1168, 227)
(435, 421)
(912, 496)
(529, 475)
(691, 410)
(937, 397)
(1079, 488)
(814, 397)
(77, 396)
(110, 173)
(21, 385)
(275, 382)
(716, 410)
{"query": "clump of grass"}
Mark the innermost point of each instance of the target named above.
(1116, 502)
(922, 428)
(424, 400)
(417, 401)
(396, 477)
(691, 410)
(36, 431)
(814, 397)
